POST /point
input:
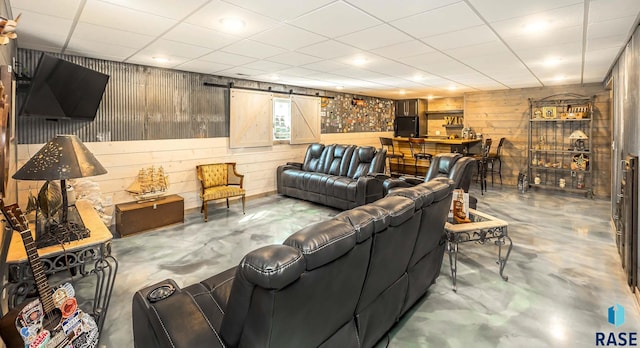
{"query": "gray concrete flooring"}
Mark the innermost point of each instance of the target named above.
(564, 271)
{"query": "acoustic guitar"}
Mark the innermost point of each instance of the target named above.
(54, 319)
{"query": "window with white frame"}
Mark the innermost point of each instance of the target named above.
(281, 119)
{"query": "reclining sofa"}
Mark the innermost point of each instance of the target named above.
(343, 282)
(340, 176)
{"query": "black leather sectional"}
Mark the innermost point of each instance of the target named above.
(340, 176)
(343, 282)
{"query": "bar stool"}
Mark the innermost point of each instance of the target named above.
(492, 158)
(419, 152)
(387, 143)
(482, 159)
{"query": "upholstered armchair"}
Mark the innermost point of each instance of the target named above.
(218, 181)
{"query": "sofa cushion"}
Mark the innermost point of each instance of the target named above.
(421, 195)
(219, 192)
(323, 242)
(312, 158)
(366, 220)
(400, 208)
(343, 188)
(337, 159)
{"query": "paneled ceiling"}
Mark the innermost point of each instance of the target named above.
(392, 49)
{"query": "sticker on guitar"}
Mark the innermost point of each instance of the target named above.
(54, 319)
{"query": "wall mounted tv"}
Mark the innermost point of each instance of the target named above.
(64, 90)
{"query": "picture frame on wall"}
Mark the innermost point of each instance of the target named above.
(549, 112)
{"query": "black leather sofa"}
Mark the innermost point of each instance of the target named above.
(343, 282)
(340, 176)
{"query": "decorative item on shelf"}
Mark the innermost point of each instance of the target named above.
(149, 185)
(537, 179)
(63, 157)
(8, 29)
(574, 113)
(578, 138)
(580, 183)
(580, 162)
(537, 113)
(465, 133)
(357, 102)
(562, 183)
(549, 112)
(534, 161)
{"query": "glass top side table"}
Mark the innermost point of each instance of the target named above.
(482, 228)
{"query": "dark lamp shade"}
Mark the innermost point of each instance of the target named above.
(63, 157)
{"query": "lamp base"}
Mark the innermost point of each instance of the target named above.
(60, 233)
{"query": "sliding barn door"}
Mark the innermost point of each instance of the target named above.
(250, 119)
(305, 119)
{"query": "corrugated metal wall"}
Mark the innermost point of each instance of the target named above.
(139, 103)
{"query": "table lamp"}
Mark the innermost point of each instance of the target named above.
(63, 157)
(578, 137)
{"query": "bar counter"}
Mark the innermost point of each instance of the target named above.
(434, 145)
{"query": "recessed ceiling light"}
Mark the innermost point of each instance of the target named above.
(452, 88)
(360, 61)
(339, 87)
(552, 61)
(418, 77)
(402, 92)
(274, 77)
(232, 24)
(161, 59)
(430, 97)
(559, 78)
(536, 27)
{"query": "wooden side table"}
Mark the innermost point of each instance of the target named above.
(90, 256)
(134, 217)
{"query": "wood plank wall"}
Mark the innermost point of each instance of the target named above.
(179, 157)
(505, 113)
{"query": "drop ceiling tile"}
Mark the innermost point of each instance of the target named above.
(566, 36)
(616, 42)
(334, 20)
(614, 27)
(600, 60)
(89, 32)
(103, 50)
(441, 20)
(382, 10)
(294, 58)
(173, 48)
(253, 49)
(227, 58)
(210, 16)
(465, 37)
(165, 8)
(497, 10)
(296, 72)
(358, 73)
(199, 36)
(112, 16)
(480, 50)
(403, 50)
(63, 8)
(390, 67)
(281, 9)
(145, 58)
(288, 37)
(241, 72)
(555, 23)
(266, 66)
(375, 37)
(329, 49)
(35, 30)
(603, 10)
(438, 64)
(116, 56)
(202, 66)
(325, 66)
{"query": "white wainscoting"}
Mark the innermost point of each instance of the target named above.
(179, 157)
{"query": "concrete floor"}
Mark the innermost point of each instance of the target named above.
(564, 271)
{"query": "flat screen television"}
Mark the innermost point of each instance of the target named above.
(64, 90)
(406, 126)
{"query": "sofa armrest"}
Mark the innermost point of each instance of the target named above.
(176, 321)
(295, 164)
(369, 189)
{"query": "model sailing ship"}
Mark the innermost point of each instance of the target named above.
(149, 185)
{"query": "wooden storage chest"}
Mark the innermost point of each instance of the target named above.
(134, 217)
